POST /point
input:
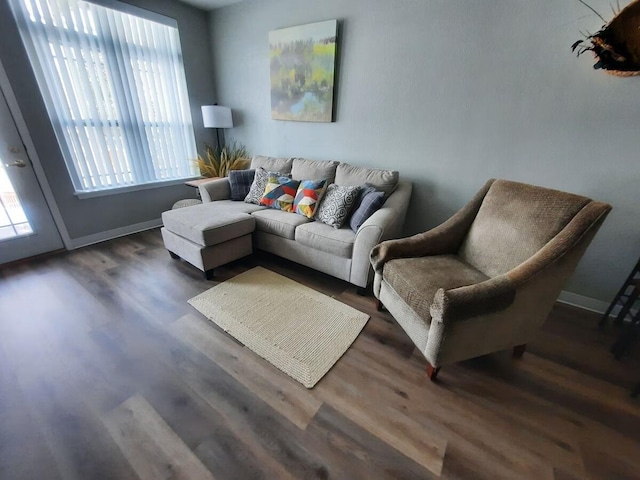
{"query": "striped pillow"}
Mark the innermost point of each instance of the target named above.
(307, 197)
(279, 193)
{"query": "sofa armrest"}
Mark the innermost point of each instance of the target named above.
(386, 223)
(441, 240)
(218, 189)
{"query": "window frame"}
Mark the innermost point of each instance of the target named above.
(145, 139)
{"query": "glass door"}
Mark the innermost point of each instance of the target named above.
(26, 225)
(13, 220)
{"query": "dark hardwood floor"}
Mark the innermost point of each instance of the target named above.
(107, 373)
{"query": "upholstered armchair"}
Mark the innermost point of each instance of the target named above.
(487, 278)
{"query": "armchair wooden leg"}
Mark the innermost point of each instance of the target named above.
(173, 255)
(518, 350)
(379, 305)
(432, 372)
(208, 274)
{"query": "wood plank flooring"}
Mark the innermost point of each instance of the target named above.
(107, 373)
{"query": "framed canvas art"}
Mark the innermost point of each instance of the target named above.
(302, 61)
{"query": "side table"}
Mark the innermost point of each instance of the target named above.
(196, 183)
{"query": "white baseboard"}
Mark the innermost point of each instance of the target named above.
(115, 233)
(586, 303)
(569, 298)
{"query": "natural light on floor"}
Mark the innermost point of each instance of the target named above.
(13, 221)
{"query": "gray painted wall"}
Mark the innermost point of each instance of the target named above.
(451, 93)
(85, 217)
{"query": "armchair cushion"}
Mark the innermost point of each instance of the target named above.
(416, 280)
(514, 222)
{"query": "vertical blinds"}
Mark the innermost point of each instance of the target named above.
(115, 90)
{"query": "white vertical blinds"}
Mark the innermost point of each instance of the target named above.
(115, 90)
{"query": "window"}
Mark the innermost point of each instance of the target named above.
(115, 90)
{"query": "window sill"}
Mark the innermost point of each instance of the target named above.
(132, 188)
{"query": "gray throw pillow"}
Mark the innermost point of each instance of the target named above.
(336, 204)
(240, 182)
(260, 183)
(369, 202)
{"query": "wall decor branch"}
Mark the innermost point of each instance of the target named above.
(617, 45)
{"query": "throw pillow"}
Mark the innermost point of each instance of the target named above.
(307, 197)
(260, 183)
(279, 193)
(370, 201)
(336, 204)
(240, 182)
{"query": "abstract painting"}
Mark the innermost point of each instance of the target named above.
(302, 63)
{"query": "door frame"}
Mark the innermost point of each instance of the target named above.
(23, 131)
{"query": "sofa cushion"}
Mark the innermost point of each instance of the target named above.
(208, 223)
(240, 182)
(368, 203)
(279, 193)
(277, 222)
(385, 180)
(260, 183)
(237, 207)
(416, 280)
(308, 196)
(272, 164)
(303, 169)
(319, 236)
(336, 204)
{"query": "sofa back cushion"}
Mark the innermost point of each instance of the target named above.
(272, 164)
(384, 180)
(303, 169)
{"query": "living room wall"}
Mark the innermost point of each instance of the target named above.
(451, 93)
(89, 219)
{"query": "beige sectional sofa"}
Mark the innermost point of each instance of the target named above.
(221, 229)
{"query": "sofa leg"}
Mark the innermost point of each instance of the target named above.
(432, 372)
(518, 350)
(173, 255)
(208, 274)
(379, 305)
(362, 291)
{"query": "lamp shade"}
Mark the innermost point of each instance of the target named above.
(215, 116)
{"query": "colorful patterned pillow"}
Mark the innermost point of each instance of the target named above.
(370, 201)
(336, 204)
(279, 193)
(307, 196)
(259, 184)
(240, 182)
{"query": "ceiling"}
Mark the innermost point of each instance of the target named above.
(210, 4)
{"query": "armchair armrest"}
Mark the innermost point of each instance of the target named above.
(218, 189)
(482, 298)
(443, 239)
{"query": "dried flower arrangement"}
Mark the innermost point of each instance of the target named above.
(217, 163)
(617, 45)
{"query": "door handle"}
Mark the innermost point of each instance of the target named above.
(17, 163)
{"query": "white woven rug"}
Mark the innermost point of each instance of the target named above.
(300, 331)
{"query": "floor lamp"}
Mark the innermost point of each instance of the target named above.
(218, 117)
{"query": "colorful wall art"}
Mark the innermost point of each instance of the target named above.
(302, 62)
